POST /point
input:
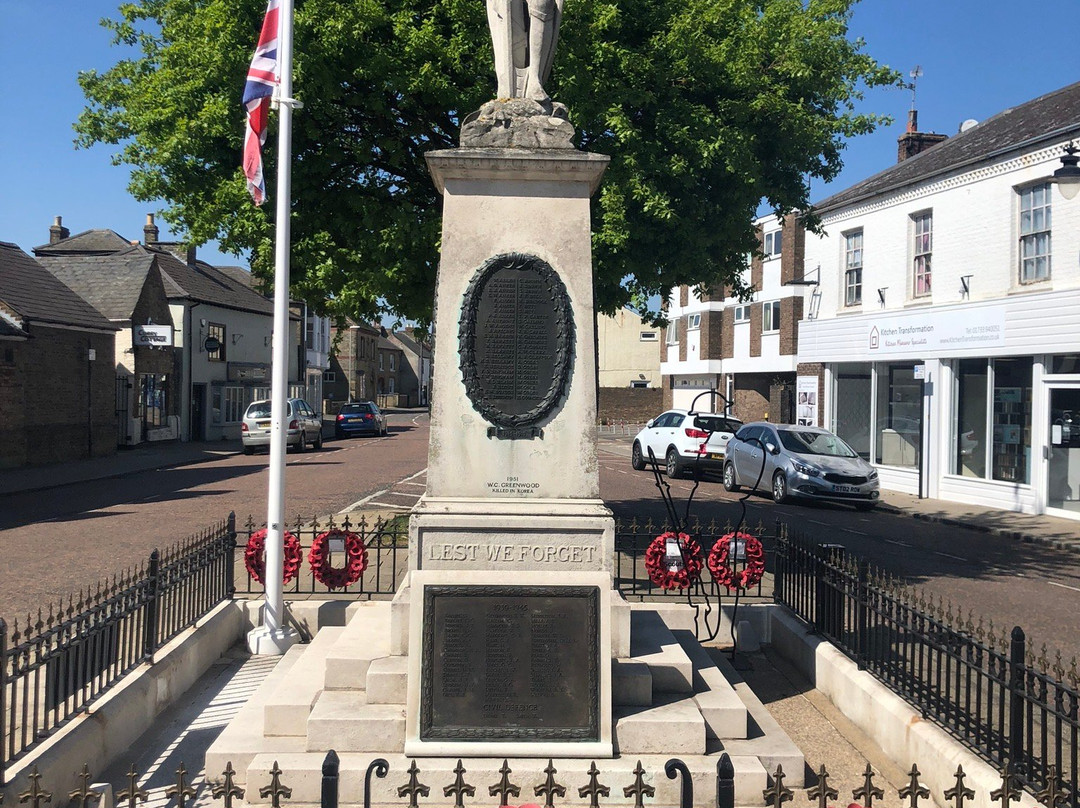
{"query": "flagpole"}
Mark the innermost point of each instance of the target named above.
(274, 637)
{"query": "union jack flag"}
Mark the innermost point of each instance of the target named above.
(262, 78)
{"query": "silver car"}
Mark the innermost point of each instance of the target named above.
(303, 426)
(799, 462)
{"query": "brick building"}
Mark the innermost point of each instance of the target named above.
(354, 359)
(57, 372)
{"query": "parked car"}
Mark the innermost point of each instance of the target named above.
(359, 418)
(683, 441)
(799, 462)
(303, 426)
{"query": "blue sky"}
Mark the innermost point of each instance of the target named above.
(978, 58)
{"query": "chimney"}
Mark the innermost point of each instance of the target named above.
(191, 256)
(913, 141)
(58, 232)
(150, 230)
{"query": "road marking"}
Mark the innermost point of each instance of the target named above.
(816, 522)
(621, 471)
(857, 532)
(418, 485)
(1064, 586)
(361, 502)
(901, 543)
(949, 555)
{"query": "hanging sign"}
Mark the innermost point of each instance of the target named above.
(152, 336)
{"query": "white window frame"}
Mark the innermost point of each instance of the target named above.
(922, 247)
(672, 333)
(693, 321)
(1034, 227)
(393, 362)
(329, 376)
(770, 317)
(648, 336)
(853, 267)
(774, 241)
(742, 313)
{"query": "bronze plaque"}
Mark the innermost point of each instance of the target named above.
(510, 663)
(516, 336)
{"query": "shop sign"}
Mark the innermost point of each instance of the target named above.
(152, 336)
(937, 332)
(247, 373)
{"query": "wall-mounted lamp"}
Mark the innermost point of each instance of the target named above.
(881, 295)
(1067, 178)
(805, 281)
(236, 338)
(965, 285)
(266, 342)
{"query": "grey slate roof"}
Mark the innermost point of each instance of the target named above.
(1046, 119)
(38, 296)
(111, 283)
(88, 242)
(206, 284)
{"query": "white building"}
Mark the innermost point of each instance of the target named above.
(945, 331)
(627, 350)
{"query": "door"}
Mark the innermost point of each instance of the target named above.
(1063, 451)
(747, 454)
(198, 425)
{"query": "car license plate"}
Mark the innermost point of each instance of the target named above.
(716, 456)
(845, 489)
(262, 424)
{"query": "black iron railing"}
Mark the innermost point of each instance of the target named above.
(54, 665)
(987, 688)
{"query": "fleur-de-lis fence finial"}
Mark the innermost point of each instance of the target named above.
(414, 787)
(84, 795)
(549, 789)
(777, 794)
(1053, 795)
(639, 789)
(459, 788)
(132, 793)
(181, 790)
(595, 789)
(504, 788)
(1010, 787)
(35, 795)
(228, 789)
(822, 791)
(958, 793)
(914, 790)
(868, 792)
(276, 790)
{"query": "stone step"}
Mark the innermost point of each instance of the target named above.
(344, 721)
(286, 711)
(243, 738)
(675, 727)
(366, 637)
(388, 680)
(631, 683)
(303, 774)
(652, 642)
(724, 712)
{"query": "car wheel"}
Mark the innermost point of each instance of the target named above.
(673, 465)
(302, 444)
(729, 478)
(636, 459)
(779, 488)
(249, 450)
(318, 441)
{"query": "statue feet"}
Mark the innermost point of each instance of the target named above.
(518, 123)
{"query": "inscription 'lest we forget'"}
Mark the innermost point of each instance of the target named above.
(510, 663)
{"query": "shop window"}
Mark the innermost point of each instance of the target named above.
(1067, 363)
(152, 405)
(853, 263)
(236, 402)
(1035, 233)
(899, 416)
(922, 226)
(1011, 456)
(972, 382)
(851, 420)
(217, 331)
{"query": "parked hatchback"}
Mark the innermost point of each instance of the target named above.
(684, 441)
(799, 462)
(359, 418)
(303, 426)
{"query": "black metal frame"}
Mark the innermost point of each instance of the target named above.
(987, 689)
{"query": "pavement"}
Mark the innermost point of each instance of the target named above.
(1048, 530)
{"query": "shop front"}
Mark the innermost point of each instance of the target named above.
(963, 403)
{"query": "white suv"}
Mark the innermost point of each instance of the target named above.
(684, 441)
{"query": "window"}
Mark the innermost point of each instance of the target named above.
(217, 331)
(693, 322)
(773, 243)
(649, 336)
(742, 313)
(673, 333)
(899, 416)
(380, 360)
(309, 332)
(393, 359)
(992, 422)
(390, 385)
(770, 316)
(236, 401)
(329, 376)
(1035, 233)
(851, 421)
(922, 245)
(639, 384)
(853, 247)
(153, 398)
(971, 412)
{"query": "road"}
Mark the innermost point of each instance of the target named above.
(54, 542)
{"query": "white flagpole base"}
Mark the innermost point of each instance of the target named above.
(263, 641)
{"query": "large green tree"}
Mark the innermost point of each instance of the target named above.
(706, 107)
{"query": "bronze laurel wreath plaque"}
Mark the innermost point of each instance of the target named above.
(516, 335)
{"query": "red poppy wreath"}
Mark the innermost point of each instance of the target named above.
(722, 569)
(679, 575)
(255, 556)
(355, 559)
